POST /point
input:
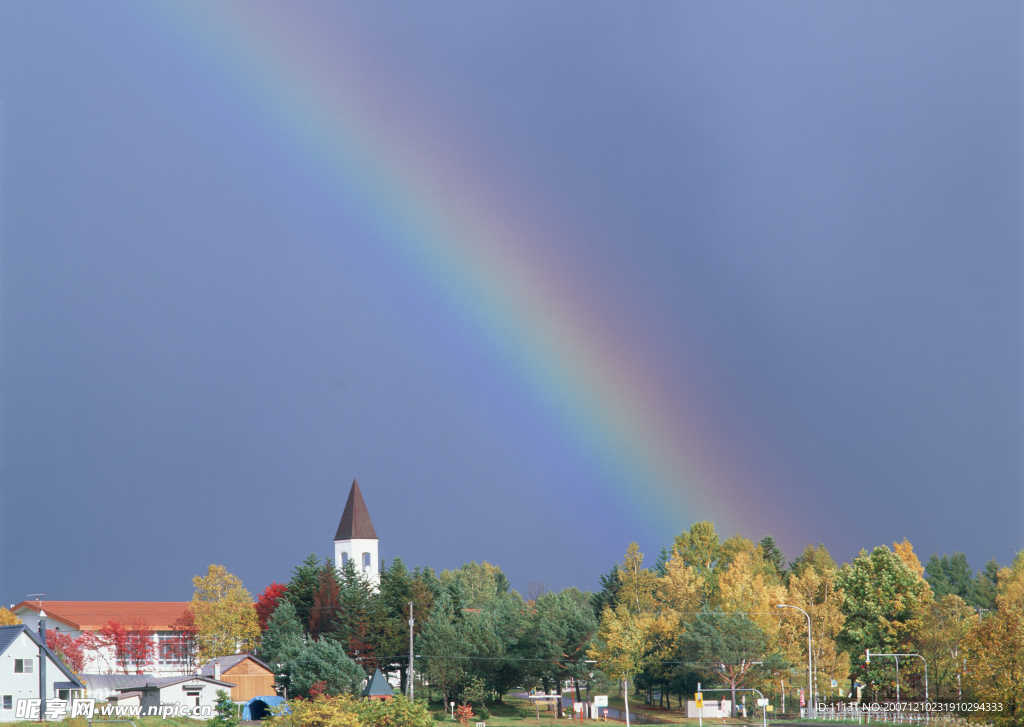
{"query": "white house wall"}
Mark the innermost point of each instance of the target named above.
(355, 549)
(25, 686)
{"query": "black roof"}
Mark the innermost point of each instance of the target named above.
(355, 521)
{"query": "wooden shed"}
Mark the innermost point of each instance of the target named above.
(251, 676)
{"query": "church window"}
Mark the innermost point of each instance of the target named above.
(344, 559)
(366, 561)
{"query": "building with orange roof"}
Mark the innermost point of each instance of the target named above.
(76, 618)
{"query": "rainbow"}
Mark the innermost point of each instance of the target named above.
(607, 395)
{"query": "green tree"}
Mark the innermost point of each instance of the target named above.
(986, 587)
(731, 647)
(608, 596)
(480, 582)
(883, 601)
(226, 712)
(324, 661)
(510, 624)
(948, 575)
(303, 586)
(282, 641)
(773, 555)
(561, 633)
(444, 639)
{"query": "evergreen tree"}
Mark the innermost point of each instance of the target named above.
(282, 641)
(444, 639)
(986, 586)
(660, 567)
(324, 664)
(950, 575)
(773, 554)
(608, 596)
(226, 712)
(303, 586)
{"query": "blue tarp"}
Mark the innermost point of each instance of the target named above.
(259, 707)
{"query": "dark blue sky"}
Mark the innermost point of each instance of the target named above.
(813, 211)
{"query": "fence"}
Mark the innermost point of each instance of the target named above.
(909, 713)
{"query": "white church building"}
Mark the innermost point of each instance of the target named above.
(356, 539)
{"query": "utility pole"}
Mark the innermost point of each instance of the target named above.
(411, 622)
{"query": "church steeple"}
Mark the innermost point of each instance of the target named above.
(356, 539)
(355, 521)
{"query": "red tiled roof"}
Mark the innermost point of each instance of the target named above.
(94, 615)
(355, 521)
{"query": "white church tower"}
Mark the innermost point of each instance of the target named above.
(356, 539)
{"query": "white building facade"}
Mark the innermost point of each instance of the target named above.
(356, 539)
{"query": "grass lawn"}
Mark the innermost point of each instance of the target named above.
(509, 714)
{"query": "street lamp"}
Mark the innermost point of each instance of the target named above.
(867, 653)
(810, 678)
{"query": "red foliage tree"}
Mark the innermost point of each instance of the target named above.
(326, 603)
(267, 602)
(140, 645)
(182, 647)
(361, 649)
(115, 636)
(68, 649)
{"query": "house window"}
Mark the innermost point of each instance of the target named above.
(344, 559)
(169, 647)
(64, 694)
(366, 561)
(8, 701)
(193, 694)
(23, 666)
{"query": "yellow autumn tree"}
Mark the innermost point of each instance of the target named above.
(225, 616)
(996, 649)
(906, 553)
(7, 618)
(813, 588)
(622, 644)
(747, 587)
(637, 584)
(945, 627)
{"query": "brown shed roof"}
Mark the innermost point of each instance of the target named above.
(94, 615)
(355, 521)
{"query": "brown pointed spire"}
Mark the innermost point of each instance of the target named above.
(355, 521)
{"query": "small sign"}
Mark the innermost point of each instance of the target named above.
(601, 700)
(656, 695)
(834, 684)
(770, 708)
(699, 700)
(762, 702)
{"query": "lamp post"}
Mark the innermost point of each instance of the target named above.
(867, 653)
(810, 678)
